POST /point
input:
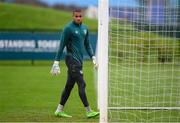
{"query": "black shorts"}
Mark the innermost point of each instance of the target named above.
(74, 66)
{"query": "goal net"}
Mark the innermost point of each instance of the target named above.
(143, 61)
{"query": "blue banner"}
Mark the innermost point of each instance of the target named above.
(33, 45)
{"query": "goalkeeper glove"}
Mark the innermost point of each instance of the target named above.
(94, 62)
(55, 70)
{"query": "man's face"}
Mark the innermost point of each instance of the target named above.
(77, 16)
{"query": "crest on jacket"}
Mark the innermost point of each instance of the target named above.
(76, 32)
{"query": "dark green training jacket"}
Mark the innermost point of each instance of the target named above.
(75, 37)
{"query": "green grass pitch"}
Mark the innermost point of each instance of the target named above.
(29, 93)
(144, 86)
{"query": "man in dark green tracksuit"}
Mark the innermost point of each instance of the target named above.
(74, 37)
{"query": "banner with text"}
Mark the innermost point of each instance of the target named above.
(33, 45)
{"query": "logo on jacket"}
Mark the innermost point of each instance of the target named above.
(85, 31)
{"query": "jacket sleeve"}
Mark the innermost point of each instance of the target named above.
(88, 45)
(63, 41)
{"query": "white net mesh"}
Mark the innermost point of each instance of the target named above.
(144, 61)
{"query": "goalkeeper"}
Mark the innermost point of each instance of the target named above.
(75, 37)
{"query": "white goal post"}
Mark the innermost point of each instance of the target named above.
(102, 57)
(138, 52)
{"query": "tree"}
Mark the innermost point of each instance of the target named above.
(32, 2)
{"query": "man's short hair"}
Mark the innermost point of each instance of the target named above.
(76, 10)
